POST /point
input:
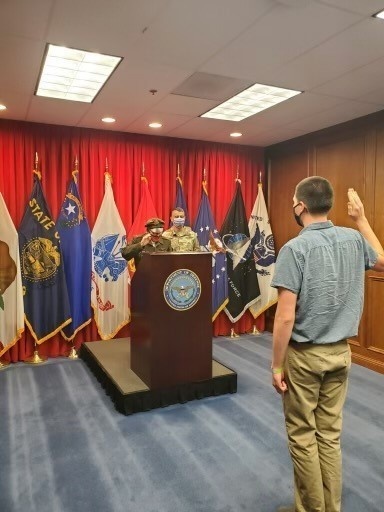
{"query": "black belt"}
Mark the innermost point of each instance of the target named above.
(311, 343)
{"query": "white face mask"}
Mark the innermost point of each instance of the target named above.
(178, 221)
(156, 231)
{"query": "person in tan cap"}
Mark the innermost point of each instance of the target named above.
(151, 241)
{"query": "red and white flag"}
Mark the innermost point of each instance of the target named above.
(110, 278)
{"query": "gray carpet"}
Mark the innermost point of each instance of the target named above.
(64, 448)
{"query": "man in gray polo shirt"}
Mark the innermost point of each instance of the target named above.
(320, 280)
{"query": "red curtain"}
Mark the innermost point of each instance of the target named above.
(58, 146)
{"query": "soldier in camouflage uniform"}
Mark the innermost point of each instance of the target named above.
(182, 238)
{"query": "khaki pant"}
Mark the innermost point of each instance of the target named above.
(317, 379)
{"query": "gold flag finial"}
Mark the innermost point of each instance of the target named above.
(36, 169)
(260, 182)
(178, 170)
(142, 170)
(107, 172)
(75, 171)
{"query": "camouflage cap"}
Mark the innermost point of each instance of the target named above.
(154, 223)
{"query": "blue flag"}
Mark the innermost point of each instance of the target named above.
(180, 200)
(46, 304)
(243, 286)
(76, 248)
(209, 240)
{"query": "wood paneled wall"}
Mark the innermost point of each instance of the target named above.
(348, 155)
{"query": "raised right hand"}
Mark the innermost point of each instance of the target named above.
(355, 206)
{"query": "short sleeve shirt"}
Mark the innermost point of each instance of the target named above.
(324, 266)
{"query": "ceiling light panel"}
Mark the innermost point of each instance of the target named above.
(75, 75)
(256, 98)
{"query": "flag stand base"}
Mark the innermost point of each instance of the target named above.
(3, 364)
(255, 331)
(73, 354)
(35, 359)
(233, 334)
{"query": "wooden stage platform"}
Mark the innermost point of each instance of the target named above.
(109, 361)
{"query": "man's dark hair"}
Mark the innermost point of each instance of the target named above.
(178, 209)
(317, 194)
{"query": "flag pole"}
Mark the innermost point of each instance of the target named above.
(3, 364)
(233, 333)
(72, 353)
(36, 358)
(255, 330)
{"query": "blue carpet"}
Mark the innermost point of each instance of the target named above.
(64, 448)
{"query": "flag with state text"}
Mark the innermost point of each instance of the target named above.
(243, 287)
(76, 248)
(263, 248)
(209, 240)
(11, 291)
(46, 303)
(180, 201)
(110, 278)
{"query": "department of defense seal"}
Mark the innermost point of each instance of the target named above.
(182, 289)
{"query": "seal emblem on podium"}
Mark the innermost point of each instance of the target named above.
(182, 289)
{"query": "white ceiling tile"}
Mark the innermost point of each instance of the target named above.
(351, 49)
(367, 7)
(184, 105)
(355, 83)
(339, 114)
(24, 18)
(279, 36)
(48, 110)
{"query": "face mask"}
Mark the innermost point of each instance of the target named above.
(156, 233)
(298, 217)
(178, 221)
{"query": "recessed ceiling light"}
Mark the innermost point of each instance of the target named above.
(108, 119)
(379, 15)
(155, 125)
(256, 98)
(75, 75)
(236, 134)
(3, 107)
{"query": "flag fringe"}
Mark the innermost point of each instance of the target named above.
(19, 333)
(76, 331)
(233, 320)
(220, 309)
(47, 336)
(113, 334)
(262, 310)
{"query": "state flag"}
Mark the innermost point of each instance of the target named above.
(46, 303)
(11, 291)
(76, 248)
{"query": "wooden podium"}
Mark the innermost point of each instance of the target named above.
(171, 326)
